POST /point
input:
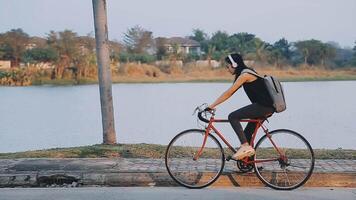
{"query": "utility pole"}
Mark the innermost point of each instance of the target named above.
(104, 72)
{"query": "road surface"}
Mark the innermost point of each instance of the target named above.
(174, 193)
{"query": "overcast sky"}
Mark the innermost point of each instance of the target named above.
(270, 20)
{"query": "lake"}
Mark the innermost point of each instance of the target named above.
(39, 117)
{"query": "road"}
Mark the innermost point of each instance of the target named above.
(176, 193)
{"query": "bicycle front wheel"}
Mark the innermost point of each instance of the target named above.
(187, 171)
(285, 160)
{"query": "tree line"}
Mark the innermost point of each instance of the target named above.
(69, 51)
(281, 52)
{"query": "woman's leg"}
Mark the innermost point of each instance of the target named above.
(249, 130)
(248, 112)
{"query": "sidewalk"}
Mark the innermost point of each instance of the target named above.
(145, 172)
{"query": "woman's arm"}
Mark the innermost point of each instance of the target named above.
(228, 93)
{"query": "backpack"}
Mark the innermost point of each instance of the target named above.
(274, 88)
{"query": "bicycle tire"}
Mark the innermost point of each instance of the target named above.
(194, 180)
(295, 155)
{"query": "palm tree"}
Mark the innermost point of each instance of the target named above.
(104, 73)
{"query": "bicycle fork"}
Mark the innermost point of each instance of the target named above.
(207, 130)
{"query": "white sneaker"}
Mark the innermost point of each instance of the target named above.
(243, 151)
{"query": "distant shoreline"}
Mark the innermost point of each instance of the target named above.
(149, 74)
(69, 82)
(148, 81)
(135, 81)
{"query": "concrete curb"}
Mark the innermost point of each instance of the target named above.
(145, 172)
(126, 179)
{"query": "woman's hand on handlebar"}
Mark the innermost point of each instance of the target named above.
(211, 110)
(204, 111)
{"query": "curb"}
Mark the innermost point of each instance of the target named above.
(161, 179)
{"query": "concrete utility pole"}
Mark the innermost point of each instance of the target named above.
(104, 72)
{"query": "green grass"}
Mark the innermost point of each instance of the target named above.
(94, 151)
(150, 151)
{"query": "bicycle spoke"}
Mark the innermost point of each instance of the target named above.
(295, 160)
(287, 176)
(189, 172)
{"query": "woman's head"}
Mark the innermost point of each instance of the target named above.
(235, 63)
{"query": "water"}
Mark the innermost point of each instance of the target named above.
(51, 116)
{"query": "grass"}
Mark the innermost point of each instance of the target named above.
(147, 151)
(143, 74)
(94, 151)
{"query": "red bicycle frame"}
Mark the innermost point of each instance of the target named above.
(259, 124)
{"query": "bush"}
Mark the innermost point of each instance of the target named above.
(132, 69)
(142, 58)
(191, 57)
(4, 74)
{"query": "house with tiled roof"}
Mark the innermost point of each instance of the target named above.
(184, 45)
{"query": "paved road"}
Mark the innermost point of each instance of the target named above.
(147, 193)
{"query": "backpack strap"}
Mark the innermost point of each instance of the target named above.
(249, 71)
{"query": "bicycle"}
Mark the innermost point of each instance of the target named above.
(195, 158)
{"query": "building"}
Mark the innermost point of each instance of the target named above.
(183, 45)
(5, 64)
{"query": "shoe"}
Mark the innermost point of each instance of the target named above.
(243, 151)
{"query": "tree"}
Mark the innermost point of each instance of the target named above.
(210, 53)
(5, 51)
(275, 55)
(327, 52)
(315, 52)
(13, 45)
(279, 52)
(161, 51)
(260, 49)
(198, 35)
(115, 49)
(67, 46)
(353, 59)
(38, 55)
(138, 40)
(201, 37)
(175, 54)
(219, 41)
(242, 43)
(102, 53)
(85, 61)
(283, 47)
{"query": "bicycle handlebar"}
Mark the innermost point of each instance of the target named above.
(202, 118)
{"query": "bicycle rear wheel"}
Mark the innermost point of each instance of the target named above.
(189, 172)
(289, 168)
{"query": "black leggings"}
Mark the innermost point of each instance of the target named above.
(252, 111)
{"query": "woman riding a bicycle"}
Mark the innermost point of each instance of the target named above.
(261, 107)
(283, 159)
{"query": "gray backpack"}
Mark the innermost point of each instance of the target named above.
(274, 88)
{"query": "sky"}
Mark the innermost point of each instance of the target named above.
(270, 20)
